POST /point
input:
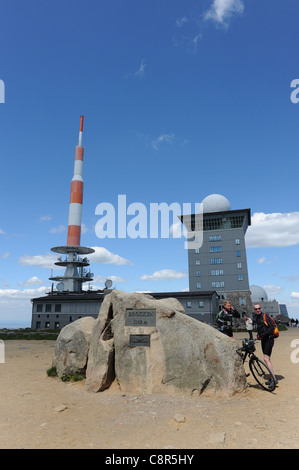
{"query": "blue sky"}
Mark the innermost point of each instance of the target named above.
(181, 99)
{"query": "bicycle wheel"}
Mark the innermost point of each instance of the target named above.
(262, 374)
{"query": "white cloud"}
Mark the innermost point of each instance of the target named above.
(40, 261)
(221, 11)
(181, 21)
(45, 218)
(140, 71)
(102, 279)
(2, 232)
(59, 229)
(295, 295)
(276, 229)
(164, 274)
(84, 228)
(265, 260)
(32, 281)
(101, 255)
(6, 255)
(162, 138)
(272, 290)
(22, 294)
(178, 230)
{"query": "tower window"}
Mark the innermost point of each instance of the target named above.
(215, 249)
(216, 261)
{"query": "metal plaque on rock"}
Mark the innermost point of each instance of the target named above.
(139, 340)
(140, 317)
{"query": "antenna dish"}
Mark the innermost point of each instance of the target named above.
(60, 286)
(108, 283)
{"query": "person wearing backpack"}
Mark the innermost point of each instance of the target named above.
(265, 332)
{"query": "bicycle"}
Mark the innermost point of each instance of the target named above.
(258, 368)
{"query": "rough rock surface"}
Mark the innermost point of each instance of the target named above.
(72, 346)
(184, 356)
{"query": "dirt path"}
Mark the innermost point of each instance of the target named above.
(39, 412)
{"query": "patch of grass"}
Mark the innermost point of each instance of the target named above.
(52, 372)
(72, 378)
(29, 334)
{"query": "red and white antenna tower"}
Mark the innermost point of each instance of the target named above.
(74, 275)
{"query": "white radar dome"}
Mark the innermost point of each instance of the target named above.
(216, 203)
(258, 294)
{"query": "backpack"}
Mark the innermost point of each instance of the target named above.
(275, 332)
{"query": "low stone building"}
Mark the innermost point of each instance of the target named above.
(57, 309)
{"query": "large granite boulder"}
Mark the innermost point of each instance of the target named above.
(72, 346)
(174, 353)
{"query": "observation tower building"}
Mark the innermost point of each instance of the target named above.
(220, 262)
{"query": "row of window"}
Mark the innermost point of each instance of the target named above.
(48, 308)
(200, 304)
(217, 261)
(223, 223)
(217, 238)
(217, 249)
(56, 323)
(220, 272)
(242, 302)
(217, 284)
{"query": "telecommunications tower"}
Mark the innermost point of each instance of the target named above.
(75, 260)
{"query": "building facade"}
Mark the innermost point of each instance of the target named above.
(56, 310)
(220, 262)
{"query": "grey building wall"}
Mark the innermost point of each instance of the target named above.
(220, 263)
(56, 311)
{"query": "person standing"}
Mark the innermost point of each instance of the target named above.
(249, 325)
(225, 318)
(265, 334)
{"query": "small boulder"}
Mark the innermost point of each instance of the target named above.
(72, 346)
